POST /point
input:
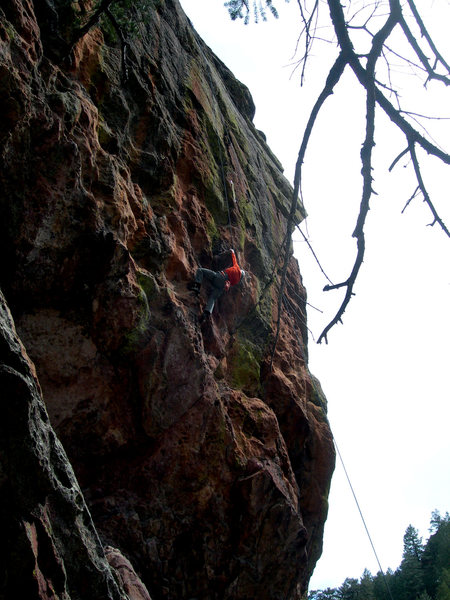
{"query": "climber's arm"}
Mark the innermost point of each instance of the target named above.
(234, 259)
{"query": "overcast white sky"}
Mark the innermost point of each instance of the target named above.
(385, 371)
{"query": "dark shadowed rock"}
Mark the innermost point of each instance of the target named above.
(49, 546)
(131, 583)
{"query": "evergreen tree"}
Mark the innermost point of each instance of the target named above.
(436, 520)
(412, 544)
(436, 556)
(410, 574)
(366, 588)
(443, 590)
(328, 594)
(383, 584)
(241, 10)
(424, 573)
(349, 589)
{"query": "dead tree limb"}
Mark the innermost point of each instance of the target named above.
(421, 184)
(411, 198)
(426, 35)
(422, 55)
(366, 156)
(374, 96)
(314, 254)
(332, 79)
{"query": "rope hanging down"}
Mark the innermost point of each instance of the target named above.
(338, 452)
(225, 186)
(318, 395)
(362, 518)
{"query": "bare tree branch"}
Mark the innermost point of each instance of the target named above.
(403, 16)
(399, 157)
(333, 77)
(366, 77)
(366, 160)
(426, 35)
(426, 197)
(314, 254)
(421, 55)
(306, 32)
(411, 198)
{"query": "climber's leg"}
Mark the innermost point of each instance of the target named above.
(218, 285)
(199, 275)
(204, 274)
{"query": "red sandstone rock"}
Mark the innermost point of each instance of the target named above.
(205, 467)
(131, 583)
(49, 547)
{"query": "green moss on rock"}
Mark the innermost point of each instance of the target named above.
(132, 340)
(148, 284)
(245, 366)
(213, 232)
(317, 396)
(166, 202)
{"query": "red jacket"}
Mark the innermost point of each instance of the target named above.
(234, 272)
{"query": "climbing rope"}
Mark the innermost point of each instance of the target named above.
(361, 515)
(225, 187)
(215, 92)
(338, 452)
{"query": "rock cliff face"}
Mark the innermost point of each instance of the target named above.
(197, 469)
(49, 548)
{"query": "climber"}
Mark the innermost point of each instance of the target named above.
(220, 282)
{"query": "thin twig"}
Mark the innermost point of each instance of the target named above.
(426, 197)
(399, 157)
(420, 54)
(426, 35)
(314, 254)
(333, 77)
(411, 198)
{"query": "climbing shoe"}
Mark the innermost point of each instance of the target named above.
(194, 287)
